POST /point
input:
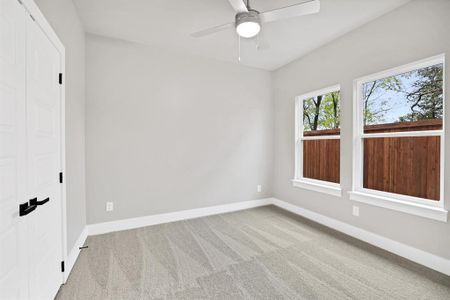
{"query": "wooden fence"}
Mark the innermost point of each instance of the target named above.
(321, 157)
(402, 165)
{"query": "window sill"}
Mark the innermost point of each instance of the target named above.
(430, 212)
(318, 186)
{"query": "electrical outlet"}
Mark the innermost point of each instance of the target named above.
(356, 211)
(259, 188)
(109, 206)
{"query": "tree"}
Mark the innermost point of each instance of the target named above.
(311, 112)
(321, 112)
(317, 103)
(426, 95)
(374, 112)
(330, 117)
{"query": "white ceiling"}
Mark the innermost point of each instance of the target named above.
(169, 23)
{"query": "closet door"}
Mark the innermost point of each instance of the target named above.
(44, 163)
(13, 238)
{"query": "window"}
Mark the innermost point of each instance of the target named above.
(399, 138)
(317, 163)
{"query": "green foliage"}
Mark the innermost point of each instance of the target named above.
(309, 109)
(330, 114)
(322, 112)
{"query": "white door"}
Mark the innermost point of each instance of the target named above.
(43, 163)
(13, 236)
(30, 158)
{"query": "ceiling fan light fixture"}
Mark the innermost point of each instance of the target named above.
(248, 24)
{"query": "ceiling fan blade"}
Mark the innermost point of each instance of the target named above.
(212, 30)
(296, 10)
(238, 5)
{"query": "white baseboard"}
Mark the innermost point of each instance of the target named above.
(427, 259)
(126, 224)
(73, 254)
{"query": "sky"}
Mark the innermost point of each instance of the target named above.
(396, 101)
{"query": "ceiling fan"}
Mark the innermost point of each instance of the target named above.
(248, 20)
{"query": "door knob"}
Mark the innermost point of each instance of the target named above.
(25, 209)
(35, 201)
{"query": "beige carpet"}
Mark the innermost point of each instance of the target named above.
(262, 253)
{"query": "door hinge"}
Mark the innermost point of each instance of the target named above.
(60, 177)
(62, 266)
(60, 78)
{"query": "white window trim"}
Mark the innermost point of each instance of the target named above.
(407, 204)
(299, 181)
(394, 203)
(321, 186)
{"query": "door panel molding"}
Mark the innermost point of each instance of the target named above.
(32, 141)
(39, 18)
(13, 243)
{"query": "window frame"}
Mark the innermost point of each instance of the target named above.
(299, 180)
(418, 206)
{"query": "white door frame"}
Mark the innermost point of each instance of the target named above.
(39, 18)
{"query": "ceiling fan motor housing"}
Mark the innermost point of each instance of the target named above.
(246, 18)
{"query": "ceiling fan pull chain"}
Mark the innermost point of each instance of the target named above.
(239, 48)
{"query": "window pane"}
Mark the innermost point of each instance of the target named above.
(403, 165)
(404, 102)
(321, 160)
(321, 114)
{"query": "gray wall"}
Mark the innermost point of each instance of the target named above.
(415, 31)
(169, 132)
(62, 16)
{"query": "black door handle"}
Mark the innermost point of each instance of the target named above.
(35, 201)
(25, 209)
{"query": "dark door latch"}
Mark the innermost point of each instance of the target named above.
(35, 201)
(25, 209)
